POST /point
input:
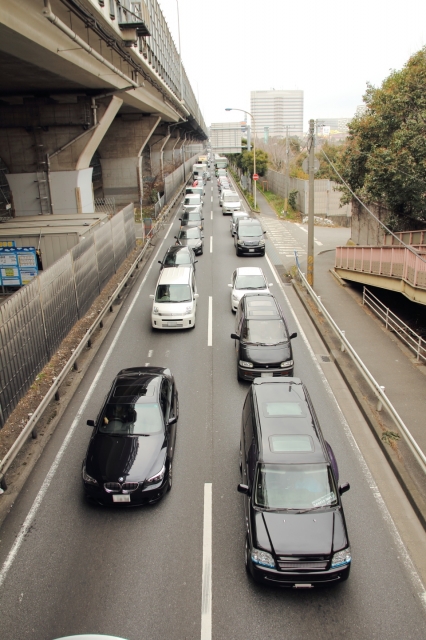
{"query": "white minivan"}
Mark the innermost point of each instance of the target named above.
(229, 201)
(175, 299)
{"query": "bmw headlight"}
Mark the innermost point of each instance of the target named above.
(262, 558)
(158, 477)
(287, 363)
(87, 478)
(243, 363)
(341, 558)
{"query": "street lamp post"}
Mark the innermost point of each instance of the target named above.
(180, 53)
(254, 147)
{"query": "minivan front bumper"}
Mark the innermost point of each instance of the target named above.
(249, 374)
(173, 322)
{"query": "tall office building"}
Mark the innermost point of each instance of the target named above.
(275, 110)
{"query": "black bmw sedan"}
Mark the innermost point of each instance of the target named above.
(129, 458)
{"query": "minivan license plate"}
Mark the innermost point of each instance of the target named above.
(120, 498)
(170, 324)
(268, 374)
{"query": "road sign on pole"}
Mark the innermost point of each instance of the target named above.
(255, 176)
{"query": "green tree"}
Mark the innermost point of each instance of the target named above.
(333, 152)
(261, 162)
(385, 157)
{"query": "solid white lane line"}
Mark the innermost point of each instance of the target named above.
(403, 554)
(211, 244)
(212, 198)
(210, 323)
(211, 215)
(147, 364)
(150, 353)
(55, 464)
(206, 592)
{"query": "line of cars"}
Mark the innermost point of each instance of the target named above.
(296, 533)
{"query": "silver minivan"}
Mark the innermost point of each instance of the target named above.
(175, 299)
(229, 201)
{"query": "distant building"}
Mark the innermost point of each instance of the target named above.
(361, 109)
(275, 111)
(326, 126)
(225, 137)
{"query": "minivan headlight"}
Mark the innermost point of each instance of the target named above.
(341, 558)
(287, 363)
(188, 308)
(262, 558)
(243, 363)
(261, 242)
(155, 308)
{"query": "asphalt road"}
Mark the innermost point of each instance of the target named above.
(138, 573)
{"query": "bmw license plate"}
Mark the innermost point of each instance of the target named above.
(120, 498)
(251, 250)
(267, 374)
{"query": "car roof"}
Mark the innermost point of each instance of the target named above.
(229, 192)
(137, 385)
(175, 275)
(283, 410)
(249, 271)
(240, 214)
(261, 306)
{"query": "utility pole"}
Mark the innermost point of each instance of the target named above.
(310, 271)
(287, 172)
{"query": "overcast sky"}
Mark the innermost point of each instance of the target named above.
(330, 49)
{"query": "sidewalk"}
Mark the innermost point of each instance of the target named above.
(388, 360)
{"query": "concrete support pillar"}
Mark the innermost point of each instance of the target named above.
(121, 156)
(49, 162)
(156, 146)
(169, 149)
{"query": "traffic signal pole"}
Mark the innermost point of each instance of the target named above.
(310, 268)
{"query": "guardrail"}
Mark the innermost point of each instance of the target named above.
(378, 390)
(393, 323)
(53, 392)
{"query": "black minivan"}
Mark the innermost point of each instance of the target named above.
(248, 237)
(262, 339)
(296, 528)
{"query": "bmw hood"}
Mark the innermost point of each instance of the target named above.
(130, 457)
(272, 354)
(311, 533)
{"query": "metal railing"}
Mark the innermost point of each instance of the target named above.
(394, 262)
(30, 427)
(393, 323)
(378, 390)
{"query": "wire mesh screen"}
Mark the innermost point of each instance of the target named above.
(59, 302)
(23, 350)
(118, 239)
(129, 227)
(36, 319)
(104, 254)
(85, 274)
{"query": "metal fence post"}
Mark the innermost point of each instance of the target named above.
(379, 401)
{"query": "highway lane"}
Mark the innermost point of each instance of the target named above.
(138, 573)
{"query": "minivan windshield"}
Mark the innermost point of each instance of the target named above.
(177, 257)
(250, 230)
(294, 486)
(191, 216)
(173, 293)
(250, 282)
(195, 199)
(264, 332)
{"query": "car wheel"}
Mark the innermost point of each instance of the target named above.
(170, 478)
(237, 251)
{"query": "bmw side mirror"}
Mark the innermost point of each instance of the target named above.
(264, 232)
(243, 488)
(152, 296)
(159, 262)
(234, 336)
(293, 335)
(90, 423)
(345, 487)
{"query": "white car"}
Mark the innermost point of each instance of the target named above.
(235, 216)
(245, 280)
(175, 299)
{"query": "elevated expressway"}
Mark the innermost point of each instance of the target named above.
(90, 82)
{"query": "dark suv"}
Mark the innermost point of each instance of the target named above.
(248, 238)
(296, 528)
(262, 339)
